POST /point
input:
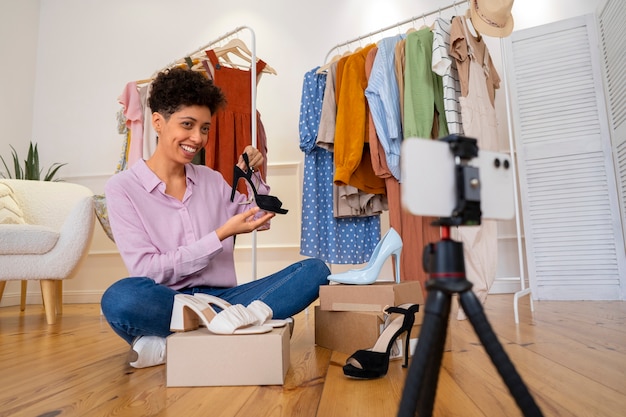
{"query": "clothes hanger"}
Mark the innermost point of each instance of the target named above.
(196, 66)
(424, 26)
(327, 65)
(237, 47)
(411, 28)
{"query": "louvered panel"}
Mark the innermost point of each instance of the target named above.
(547, 86)
(566, 178)
(613, 44)
(620, 151)
(566, 191)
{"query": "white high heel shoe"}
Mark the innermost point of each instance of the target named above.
(259, 309)
(389, 245)
(188, 311)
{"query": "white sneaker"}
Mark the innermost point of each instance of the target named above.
(290, 322)
(147, 351)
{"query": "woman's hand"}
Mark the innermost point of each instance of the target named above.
(254, 157)
(243, 223)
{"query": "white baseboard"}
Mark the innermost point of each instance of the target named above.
(69, 297)
(500, 286)
(505, 286)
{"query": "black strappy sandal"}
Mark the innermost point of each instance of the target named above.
(265, 202)
(374, 363)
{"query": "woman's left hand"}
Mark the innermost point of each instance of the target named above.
(255, 158)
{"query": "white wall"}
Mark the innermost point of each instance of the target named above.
(19, 26)
(66, 62)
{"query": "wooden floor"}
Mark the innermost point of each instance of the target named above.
(571, 355)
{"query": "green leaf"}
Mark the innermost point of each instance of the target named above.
(52, 172)
(31, 170)
(6, 168)
(31, 165)
(19, 174)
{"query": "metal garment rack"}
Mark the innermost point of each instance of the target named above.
(395, 26)
(524, 290)
(391, 27)
(253, 82)
(520, 246)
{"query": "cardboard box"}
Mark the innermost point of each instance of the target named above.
(200, 358)
(349, 331)
(374, 297)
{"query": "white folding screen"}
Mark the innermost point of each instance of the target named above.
(611, 18)
(572, 225)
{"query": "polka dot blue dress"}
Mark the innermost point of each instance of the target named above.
(349, 240)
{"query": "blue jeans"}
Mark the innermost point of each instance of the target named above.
(138, 306)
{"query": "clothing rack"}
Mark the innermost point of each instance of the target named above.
(387, 28)
(252, 67)
(394, 26)
(253, 85)
(524, 290)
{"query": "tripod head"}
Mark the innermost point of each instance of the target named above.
(467, 209)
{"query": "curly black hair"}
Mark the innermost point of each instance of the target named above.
(175, 88)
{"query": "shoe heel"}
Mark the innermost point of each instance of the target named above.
(396, 261)
(237, 174)
(407, 343)
(184, 319)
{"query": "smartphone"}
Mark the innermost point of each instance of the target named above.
(428, 180)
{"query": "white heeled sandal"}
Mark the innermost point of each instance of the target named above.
(189, 311)
(258, 308)
(389, 245)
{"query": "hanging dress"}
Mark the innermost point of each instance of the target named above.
(348, 240)
(133, 111)
(231, 127)
(480, 245)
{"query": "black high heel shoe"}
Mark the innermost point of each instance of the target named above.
(265, 202)
(374, 363)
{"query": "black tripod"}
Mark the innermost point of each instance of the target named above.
(446, 267)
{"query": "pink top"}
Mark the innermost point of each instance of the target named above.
(172, 241)
(133, 111)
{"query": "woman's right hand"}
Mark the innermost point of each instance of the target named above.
(243, 223)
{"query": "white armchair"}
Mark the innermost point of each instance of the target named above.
(45, 231)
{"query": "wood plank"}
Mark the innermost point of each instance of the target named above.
(571, 355)
(344, 396)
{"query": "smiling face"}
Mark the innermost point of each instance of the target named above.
(184, 133)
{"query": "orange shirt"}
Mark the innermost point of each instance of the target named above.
(353, 165)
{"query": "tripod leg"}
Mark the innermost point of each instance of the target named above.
(476, 315)
(423, 374)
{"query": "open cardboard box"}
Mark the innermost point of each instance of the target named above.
(373, 297)
(349, 331)
(201, 358)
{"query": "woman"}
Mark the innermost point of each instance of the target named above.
(174, 224)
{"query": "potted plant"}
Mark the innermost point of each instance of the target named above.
(31, 170)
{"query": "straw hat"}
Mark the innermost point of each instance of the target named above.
(492, 17)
